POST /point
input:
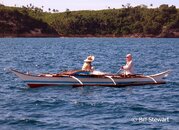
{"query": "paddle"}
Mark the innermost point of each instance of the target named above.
(119, 71)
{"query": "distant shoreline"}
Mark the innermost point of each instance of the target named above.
(127, 22)
(172, 35)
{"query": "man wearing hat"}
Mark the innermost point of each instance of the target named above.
(87, 63)
(128, 68)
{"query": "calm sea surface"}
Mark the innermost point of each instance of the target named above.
(139, 107)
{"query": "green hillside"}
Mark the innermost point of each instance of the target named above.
(129, 21)
(17, 22)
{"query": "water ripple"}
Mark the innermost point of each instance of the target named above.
(88, 107)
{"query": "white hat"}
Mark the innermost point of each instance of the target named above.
(129, 55)
(89, 59)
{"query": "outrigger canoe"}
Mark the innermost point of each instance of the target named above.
(85, 78)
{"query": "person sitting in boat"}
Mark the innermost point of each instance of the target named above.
(129, 67)
(87, 63)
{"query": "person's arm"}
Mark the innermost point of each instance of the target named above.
(127, 66)
(84, 66)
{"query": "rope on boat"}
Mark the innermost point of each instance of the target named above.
(77, 79)
(151, 78)
(111, 79)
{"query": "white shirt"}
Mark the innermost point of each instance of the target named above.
(128, 68)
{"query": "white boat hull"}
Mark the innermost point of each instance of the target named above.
(88, 80)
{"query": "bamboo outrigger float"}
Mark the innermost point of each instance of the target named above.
(85, 78)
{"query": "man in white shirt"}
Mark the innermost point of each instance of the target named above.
(128, 68)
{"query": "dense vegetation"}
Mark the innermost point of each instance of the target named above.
(139, 20)
(18, 22)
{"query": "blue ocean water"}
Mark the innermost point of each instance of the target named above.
(139, 107)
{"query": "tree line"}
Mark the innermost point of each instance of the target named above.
(123, 21)
(117, 22)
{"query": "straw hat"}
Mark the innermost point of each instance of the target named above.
(89, 59)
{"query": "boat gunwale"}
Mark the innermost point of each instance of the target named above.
(87, 76)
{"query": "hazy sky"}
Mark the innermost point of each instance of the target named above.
(62, 5)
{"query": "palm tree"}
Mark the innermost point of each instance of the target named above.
(42, 8)
(32, 7)
(67, 10)
(128, 5)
